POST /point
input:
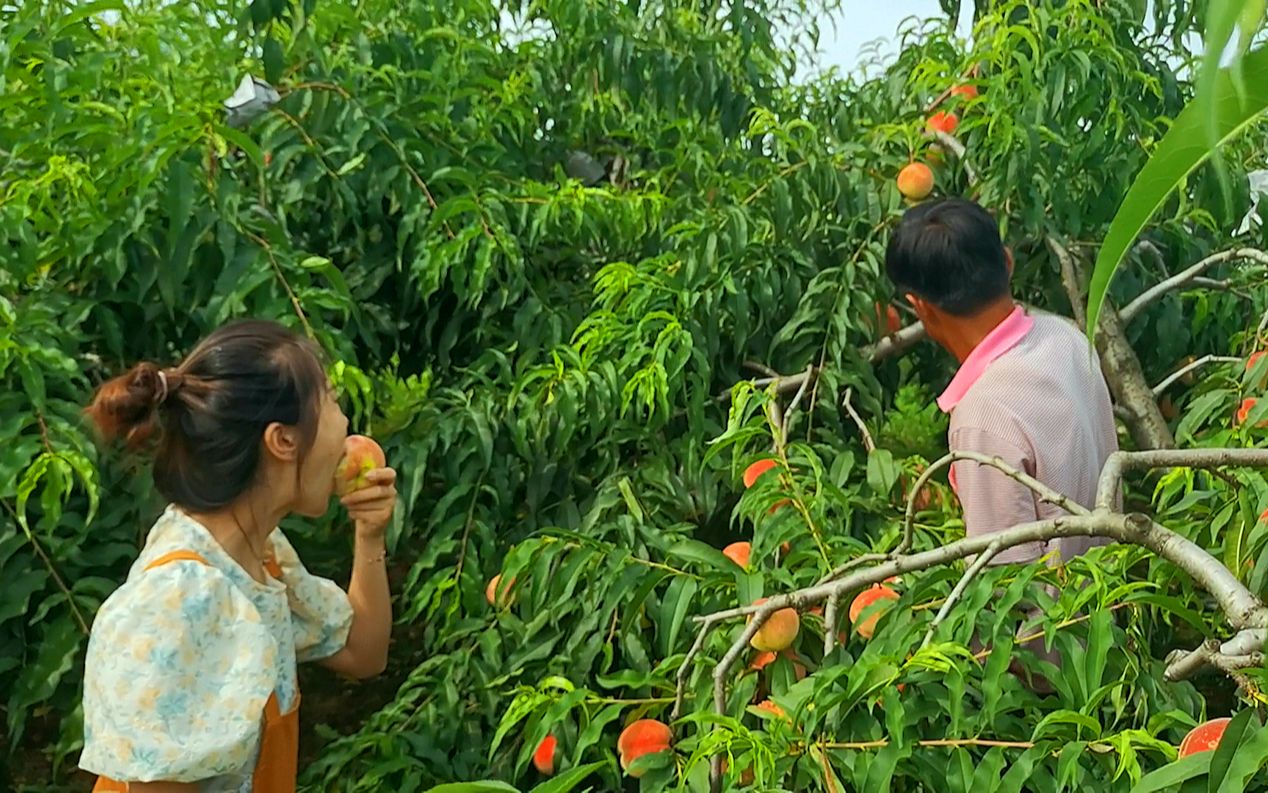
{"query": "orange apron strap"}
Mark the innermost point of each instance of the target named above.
(176, 556)
(278, 767)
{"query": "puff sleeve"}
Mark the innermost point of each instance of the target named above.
(321, 614)
(178, 670)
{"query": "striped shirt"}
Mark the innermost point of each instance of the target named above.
(1032, 394)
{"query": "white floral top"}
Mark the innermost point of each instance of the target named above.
(183, 657)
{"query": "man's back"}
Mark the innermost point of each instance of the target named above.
(1043, 406)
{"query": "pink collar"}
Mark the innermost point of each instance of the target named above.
(1003, 338)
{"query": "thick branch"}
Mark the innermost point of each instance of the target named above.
(1119, 363)
(1120, 463)
(894, 343)
(1242, 609)
(1132, 309)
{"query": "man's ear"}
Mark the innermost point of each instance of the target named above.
(1008, 257)
(280, 442)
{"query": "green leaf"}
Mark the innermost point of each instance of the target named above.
(1172, 774)
(568, 779)
(1184, 147)
(474, 787)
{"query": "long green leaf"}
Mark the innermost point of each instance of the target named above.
(474, 787)
(568, 779)
(1182, 149)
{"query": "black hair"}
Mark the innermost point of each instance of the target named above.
(207, 416)
(949, 253)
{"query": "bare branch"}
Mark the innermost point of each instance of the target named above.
(1131, 310)
(1044, 492)
(830, 623)
(758, 366)
(1120, 463)
(957, 148)
(1242, 609)
(684, 671)
(1200, 362)
(978, 565)
(806, 377)
(1243, 651)
(868, 443)
(894, 343)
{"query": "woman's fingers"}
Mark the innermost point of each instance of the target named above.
(367, 496)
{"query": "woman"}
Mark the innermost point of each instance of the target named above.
(190, 680)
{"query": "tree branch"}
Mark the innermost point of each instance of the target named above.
(1132, 309)
(894, 343)
(1244, 612)
(1200, 362)
(957, 148)
(1119, 362)
(1120, 463)
(978, 565)
(846, 403)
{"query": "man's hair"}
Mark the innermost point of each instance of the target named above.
(948, 252)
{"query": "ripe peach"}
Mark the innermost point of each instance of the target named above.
(1243, 412)
(779, 630)
(544, 755)
(966, 91)
(915, 181)
(738, 552)
(1205, 737)
(754, 471)
(1250, 366)
(761, 660)
(864, 599)
(490, 591)
(645, 736)
(773, 709)
(360, 456)
(887, 319)
(942, 121)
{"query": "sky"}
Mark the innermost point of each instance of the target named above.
(860, 22)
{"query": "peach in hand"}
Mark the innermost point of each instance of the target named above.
(361, 455)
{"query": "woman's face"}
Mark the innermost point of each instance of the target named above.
(317, 471)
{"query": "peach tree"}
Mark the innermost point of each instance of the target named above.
(577, 265)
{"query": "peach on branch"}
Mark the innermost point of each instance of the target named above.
(778, 632)
(873, 594)
(1205, 737)
(544, 755)
(915, 181)
(495, 584)
(642, 737)
(738, 552)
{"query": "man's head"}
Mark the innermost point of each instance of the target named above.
(946, 258)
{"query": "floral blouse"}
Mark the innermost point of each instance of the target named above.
(183, 657)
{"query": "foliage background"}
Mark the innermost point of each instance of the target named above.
(541, 356)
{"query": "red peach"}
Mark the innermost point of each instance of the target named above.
(360, 456)
(867, 597)
(1204, 738)
(738, 552)
(544, 756)
(643, 737)
(778, 632)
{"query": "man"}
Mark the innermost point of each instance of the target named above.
(1028, 390)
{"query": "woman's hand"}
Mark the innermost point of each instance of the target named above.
(371, 506)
